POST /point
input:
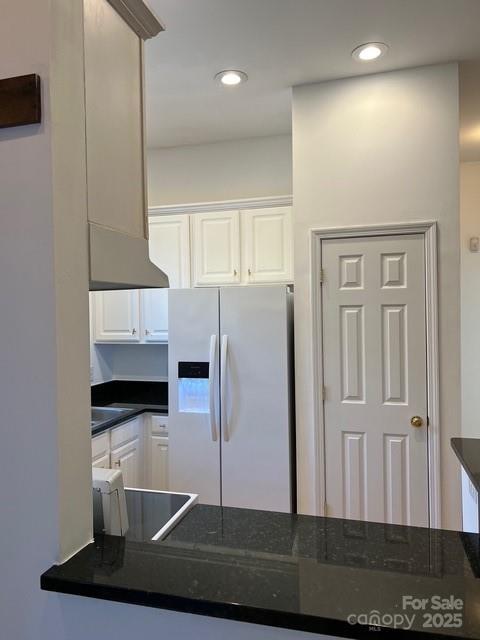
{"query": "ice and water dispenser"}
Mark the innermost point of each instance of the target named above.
(193, 387)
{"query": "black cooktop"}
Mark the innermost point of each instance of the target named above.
(149, 511)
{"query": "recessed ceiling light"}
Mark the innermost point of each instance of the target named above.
(231, 77)
(369, 51)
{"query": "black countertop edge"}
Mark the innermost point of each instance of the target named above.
(467, 451)
(229, 611)
(137, 410)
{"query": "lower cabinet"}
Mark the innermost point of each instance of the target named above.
(159, 463)
(139, 448)
(102, 463)
(158, 447)
(128, 459)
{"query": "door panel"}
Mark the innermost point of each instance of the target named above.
(169, 247)
(155, 315)
(373, 300)
(193, 456)
(159, 463)
(267, 245)
(256, 470)
(117, 316)
(127, 458)
(216, 248)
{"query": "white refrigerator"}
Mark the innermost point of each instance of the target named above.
(230, 377)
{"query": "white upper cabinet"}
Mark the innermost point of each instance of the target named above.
(169, 244)
(154, 315)
(216, 248)
(251, 246)
(267, 245)
(117, 316)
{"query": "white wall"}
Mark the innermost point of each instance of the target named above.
(248, 168)
(140, 362)
(470, 227)
(44, 388)
(378, 149)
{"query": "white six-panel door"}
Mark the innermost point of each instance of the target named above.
(374, 345)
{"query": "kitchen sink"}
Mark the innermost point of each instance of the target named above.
(102, 414)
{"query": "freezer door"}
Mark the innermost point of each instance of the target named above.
(255, 398)
(193, 393)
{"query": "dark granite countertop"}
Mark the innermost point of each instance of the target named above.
(468, 452)
(298, 572)
(135, 410)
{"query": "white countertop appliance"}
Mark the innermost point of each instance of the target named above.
(230, 379)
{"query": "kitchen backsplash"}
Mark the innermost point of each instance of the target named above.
(130, 392)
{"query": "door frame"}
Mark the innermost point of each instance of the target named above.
(429, 231)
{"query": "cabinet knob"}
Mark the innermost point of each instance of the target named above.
(147, 332)
(134, 331)
(249, 272)
(234, 272)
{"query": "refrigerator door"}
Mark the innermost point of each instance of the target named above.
(193, 393)
(255, 398)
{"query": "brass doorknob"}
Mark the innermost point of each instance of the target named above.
(416, 421)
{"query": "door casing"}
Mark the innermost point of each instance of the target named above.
(429, 231)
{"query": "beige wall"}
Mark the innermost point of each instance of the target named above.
(378, 149)
(470, 227)
(249, 168)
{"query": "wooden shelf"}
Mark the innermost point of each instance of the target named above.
(20, 101)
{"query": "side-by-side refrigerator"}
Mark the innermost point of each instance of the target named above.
(230, 361)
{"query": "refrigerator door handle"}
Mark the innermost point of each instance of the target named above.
(223, 388)
(211, 386)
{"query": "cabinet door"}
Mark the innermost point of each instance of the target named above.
(101, 451)
(267, 245)
(169, 245)
(154, 315)
(159, 463)
(216, 248)
(114, 121)
(127, 458)
(102, 463)
(117, 316)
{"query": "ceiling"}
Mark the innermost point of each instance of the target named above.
(279, 44)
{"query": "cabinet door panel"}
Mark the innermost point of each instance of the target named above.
(114, 121)
(159, 463)
(267, 245)
(117, 316)
(102, 463)
(169, 244)
(155, 315)
(216, 248)
(127, 458)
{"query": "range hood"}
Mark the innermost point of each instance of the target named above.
(120, 261)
